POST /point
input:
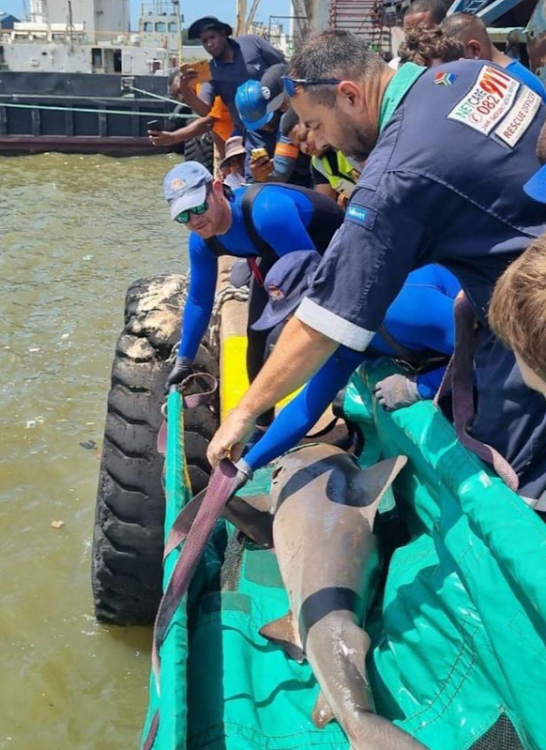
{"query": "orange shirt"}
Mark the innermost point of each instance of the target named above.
(223, 125)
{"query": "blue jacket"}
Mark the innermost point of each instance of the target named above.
(420, 318)
(445, 184)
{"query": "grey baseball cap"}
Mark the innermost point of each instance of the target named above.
(185, 186)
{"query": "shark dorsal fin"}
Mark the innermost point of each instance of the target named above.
(284, 632)
(322, 713)
(370, 485)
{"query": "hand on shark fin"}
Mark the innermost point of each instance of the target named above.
(371, 484)
(284, 632)
(322, 713)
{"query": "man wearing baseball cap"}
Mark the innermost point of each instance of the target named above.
(418, 329)
(260, 106)
(258, 222)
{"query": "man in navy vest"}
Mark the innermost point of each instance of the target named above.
(448, 152)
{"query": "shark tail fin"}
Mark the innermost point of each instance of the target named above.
(322, 713)
(371, 484)
(284, 632)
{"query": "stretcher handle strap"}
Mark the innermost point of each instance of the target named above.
(223, 483)
(190, 402)
(255, 268)
(462, 369)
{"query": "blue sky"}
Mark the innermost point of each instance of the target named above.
(191, 9)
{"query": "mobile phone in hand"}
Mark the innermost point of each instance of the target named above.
(154, 125)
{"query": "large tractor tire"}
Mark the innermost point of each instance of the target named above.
(202, 150)
(128, 539)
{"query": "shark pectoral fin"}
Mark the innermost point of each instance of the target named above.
(285, 633)
(322, 713)
(371, 484)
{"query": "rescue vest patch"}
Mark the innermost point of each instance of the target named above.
(519, 118)
(487, 102)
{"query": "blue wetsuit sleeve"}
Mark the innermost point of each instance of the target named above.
(299, 416)
(429, 382)
(282, 221)
(203, 273)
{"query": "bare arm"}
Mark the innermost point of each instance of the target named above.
(186, 83)
(193, 130)
(200, 107)
(325, 189)
(299, 353)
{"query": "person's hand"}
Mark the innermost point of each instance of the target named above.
(230, 438)
(261, 168)
(183, 367)
(396, 391)
(187, 78)
(342, 201)
(162, 138)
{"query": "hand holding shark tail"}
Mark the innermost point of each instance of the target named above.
(323, 535)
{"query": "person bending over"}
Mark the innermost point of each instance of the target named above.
(418, 327)
(258, 222)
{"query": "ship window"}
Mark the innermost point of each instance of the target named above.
(117, 61)
(161, 27)
(148, 27)
(96, 58)
(173, 27)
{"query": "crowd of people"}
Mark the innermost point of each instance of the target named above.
(370, 201)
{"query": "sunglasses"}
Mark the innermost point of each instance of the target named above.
(292, 84)
(184, 217)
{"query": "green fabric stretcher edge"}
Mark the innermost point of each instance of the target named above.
(459, 633)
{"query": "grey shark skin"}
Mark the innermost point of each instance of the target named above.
(322, 531)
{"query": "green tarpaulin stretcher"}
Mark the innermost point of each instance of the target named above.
(459, 629)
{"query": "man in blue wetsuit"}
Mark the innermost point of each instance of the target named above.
(471, 31)
(448, 151)
(418, 325)
(258, 221)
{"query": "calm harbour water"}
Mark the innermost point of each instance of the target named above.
(75, 231)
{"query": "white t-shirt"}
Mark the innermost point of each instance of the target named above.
(235, 181)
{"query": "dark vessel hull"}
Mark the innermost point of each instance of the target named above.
(80, 113)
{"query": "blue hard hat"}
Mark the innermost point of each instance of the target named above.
(286, 285)
(536, 186)
(252, 105)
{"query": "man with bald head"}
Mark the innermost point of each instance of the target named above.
(471, 31)
(425, 13)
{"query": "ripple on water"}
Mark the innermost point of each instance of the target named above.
(76, 231)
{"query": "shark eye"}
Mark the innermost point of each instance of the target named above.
(275, 473)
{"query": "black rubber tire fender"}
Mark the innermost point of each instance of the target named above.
(127, 564)
(201, 150)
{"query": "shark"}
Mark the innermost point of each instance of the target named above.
(324, 509)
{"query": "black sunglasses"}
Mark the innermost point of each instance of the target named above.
(292, 84)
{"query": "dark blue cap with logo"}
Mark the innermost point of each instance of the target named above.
(286, 284)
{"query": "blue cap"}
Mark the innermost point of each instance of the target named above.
(536, 186)
(185, 186)
(252, 105)
(286, 284)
